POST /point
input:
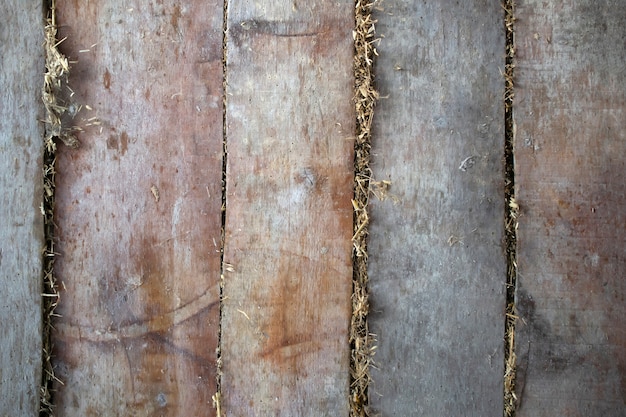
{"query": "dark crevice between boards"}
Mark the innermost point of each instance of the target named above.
(55, 90)
(361, 340)
(217, 397)
(511, 214)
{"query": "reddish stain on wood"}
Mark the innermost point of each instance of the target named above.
(139, 252)
(287, 279)
(106, 79)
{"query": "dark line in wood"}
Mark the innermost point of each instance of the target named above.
(511, 210)
(133, 329)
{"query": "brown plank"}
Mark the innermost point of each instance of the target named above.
(570, 115)
(21, 195)
(139, 209)
(287, 279)
(436, 263)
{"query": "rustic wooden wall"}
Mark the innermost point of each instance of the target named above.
(287, 279)
(437, 268)
(569, 109)
(139, 209)
(21, 195)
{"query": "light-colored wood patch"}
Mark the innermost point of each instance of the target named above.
(290, 126)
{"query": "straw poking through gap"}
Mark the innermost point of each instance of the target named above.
(511, 215)
(361, 340)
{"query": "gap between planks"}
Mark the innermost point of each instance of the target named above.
(511, 213)
(362, 342)
(218, 376)
(55, 79)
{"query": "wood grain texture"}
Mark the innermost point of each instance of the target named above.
(139, 209)
(436, 262)
(21, 195)
(569, 155)
(288, 274)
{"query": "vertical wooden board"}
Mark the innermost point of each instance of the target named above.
(139, 209)
(436, 262)
(21, 195)
(287, 280)
(570, 144)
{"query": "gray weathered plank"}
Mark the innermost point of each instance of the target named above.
(436, 263)
(139, 209)
(21, 194)
(570, 113)
(287, 279)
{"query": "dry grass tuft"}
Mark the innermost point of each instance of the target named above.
(55, 88)
(511, 214)
(361, 340)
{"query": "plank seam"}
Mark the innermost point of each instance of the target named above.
(218, 376)
(362, 342)
(55, 81)
(511, 214)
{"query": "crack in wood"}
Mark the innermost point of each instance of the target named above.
(163, 323)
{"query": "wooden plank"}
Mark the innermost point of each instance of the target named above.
(288, 274)
(21, 195)
(570, 113)
(436, 262)
(139, 209)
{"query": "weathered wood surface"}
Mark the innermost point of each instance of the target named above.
(21, 195)
(570, 114)
(287, 276)
(139, 209)
(437, 268)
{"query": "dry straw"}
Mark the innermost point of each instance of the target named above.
(511, 215)
(55, 80)
(361, 340)
(55, 88)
